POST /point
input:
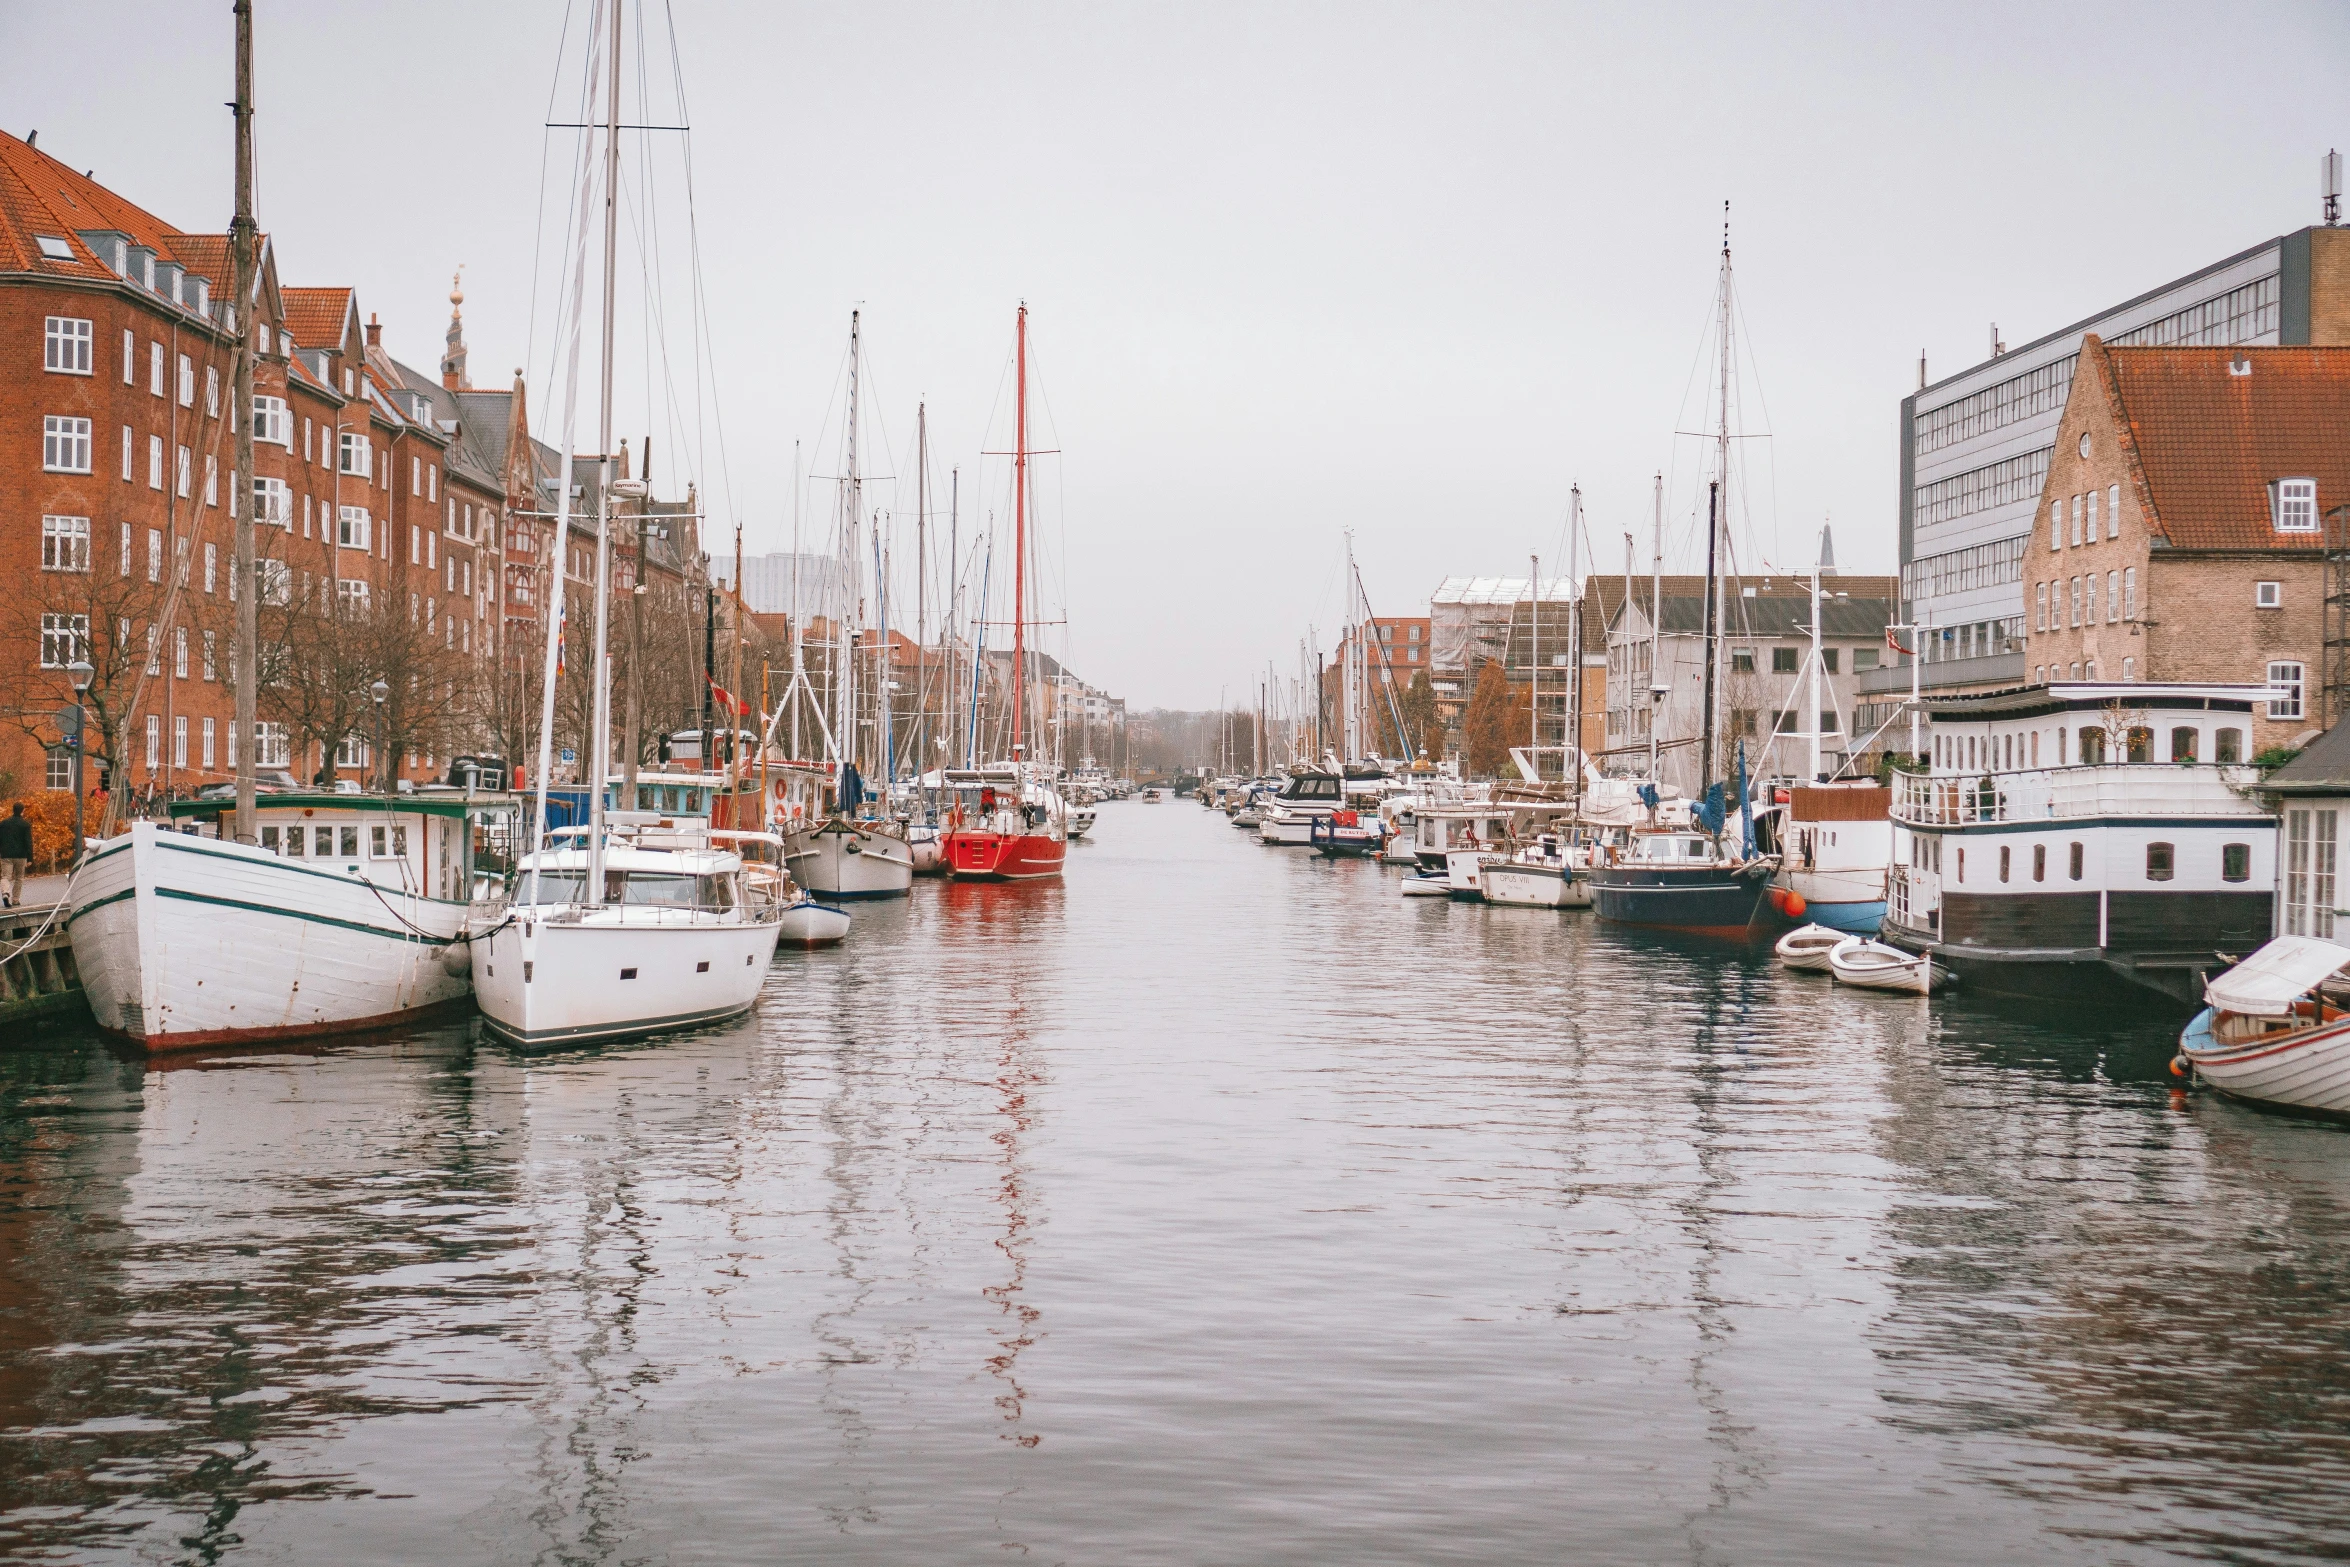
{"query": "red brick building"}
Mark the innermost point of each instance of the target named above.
(2181, 532)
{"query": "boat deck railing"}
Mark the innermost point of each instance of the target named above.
(2074, 793)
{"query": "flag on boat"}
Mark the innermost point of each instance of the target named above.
(727, 699)
(1893, 641)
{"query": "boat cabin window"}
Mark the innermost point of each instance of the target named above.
(2141, 743)
(2159, 858)
(2227, 746)
(269, 839)
(2039, 862)
(2235, 862)
(388, 842)
(554, 886)
(2092, 747)
(2003, 855)
(2076, 865)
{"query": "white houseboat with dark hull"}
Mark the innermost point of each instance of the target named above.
(2085, 840)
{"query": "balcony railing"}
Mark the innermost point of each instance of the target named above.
(2073, 793)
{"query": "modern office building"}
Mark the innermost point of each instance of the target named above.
(1975, 446)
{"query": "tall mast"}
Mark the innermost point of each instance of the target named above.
(844, 678)
(242, 295)
(1713, 604)
(1349, 736)
(921, 590)
(1718, 518)
(1573, 739)
(1020, 554)
(599, 757)
(1813, 775)
(953, 617)
(1534, 663)
(1656, 624)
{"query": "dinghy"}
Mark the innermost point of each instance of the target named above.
(1872, 965)
(808, 923)
(2270, 1034)
(1427, 886)
(1807, 947)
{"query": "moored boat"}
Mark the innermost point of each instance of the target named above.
(2271, 1032)
(1345, 835)
(1873, 965)
(1684, 881)
(1806, 948)
(348, 914)
(1003, 826)
(807, 923)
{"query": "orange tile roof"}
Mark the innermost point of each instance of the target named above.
(2207, 442)
(316, 316)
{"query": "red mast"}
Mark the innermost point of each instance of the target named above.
(1020, 550)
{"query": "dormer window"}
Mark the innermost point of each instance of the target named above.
(54, 247)
(2295, 505)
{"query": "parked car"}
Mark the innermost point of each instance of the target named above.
(268, 780)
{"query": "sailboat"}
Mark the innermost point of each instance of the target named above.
(845, 853)
(1008, 822)
(628, 926)
(1691, 879)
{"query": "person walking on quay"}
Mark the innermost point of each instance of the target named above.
(16, 852)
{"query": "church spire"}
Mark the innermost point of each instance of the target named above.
(453, 360)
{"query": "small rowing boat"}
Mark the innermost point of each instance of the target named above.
(1872, 965)
(1807, 948)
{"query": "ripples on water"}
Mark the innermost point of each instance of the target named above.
(1219, 1206)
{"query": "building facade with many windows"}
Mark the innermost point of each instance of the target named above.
(1976, 447)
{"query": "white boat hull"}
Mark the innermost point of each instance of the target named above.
(576, 976)
(1807, 948)
(925, 851)
(1872, 965)
(1080, 822)
(2307, 1069)
(1464, 869)
(1288, 829)
(1533, 886)
(843, 862)
(811, 924)
(185, 942)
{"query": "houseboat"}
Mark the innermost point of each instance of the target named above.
(2085, 840)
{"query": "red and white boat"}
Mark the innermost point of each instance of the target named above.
(2276, 1030)
(1008, 823)
(1003, 827)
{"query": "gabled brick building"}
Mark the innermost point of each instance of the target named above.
(2180, 534)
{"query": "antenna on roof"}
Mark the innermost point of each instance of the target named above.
(2329, 182)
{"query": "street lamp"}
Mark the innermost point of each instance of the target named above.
(81, 674)
(382, 694)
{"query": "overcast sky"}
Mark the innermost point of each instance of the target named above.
(1293, 269)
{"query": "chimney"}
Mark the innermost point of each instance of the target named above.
(375, 331)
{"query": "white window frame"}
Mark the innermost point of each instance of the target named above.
(65, 345)
(353, 593)
(273, 502)
(187, 382)
(65, 544)
(2268, 595)
(154, 462)
(211, 670)
(184, 471)
(212, 391)
(351, 751)
(2292, 675)
(277, 582)
(2296, 505)
(155, 371)
(273, 422)
(356, 454)
(62, 638)
(154, 743)
(269, 745)
(65, 444)
(354, 529)
(211, 741)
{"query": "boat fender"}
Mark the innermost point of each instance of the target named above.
(1788, 902)
(456, 960)
(2179, 1066)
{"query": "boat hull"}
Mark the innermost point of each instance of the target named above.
(924, 853)
(586, 977)
(811, 924)
(1533, 886)
(837, 860)
(2306, 1070)
(1876, 965)
(1702, 900)
(186, 942)
(1003, 856)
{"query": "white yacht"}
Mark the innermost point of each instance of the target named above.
(2085, 840)
(636, 939)
(1305, 798)
(843, 858)
(348, 914)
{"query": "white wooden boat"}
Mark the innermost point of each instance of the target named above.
(2269, 1033)
(337, 921)
(1427, 886)
(838, 858)
(1872, 965)
(1807, 947)
(1544, 874)
(672, 939)
(808, 923)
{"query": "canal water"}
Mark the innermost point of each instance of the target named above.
(1220, 1206)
